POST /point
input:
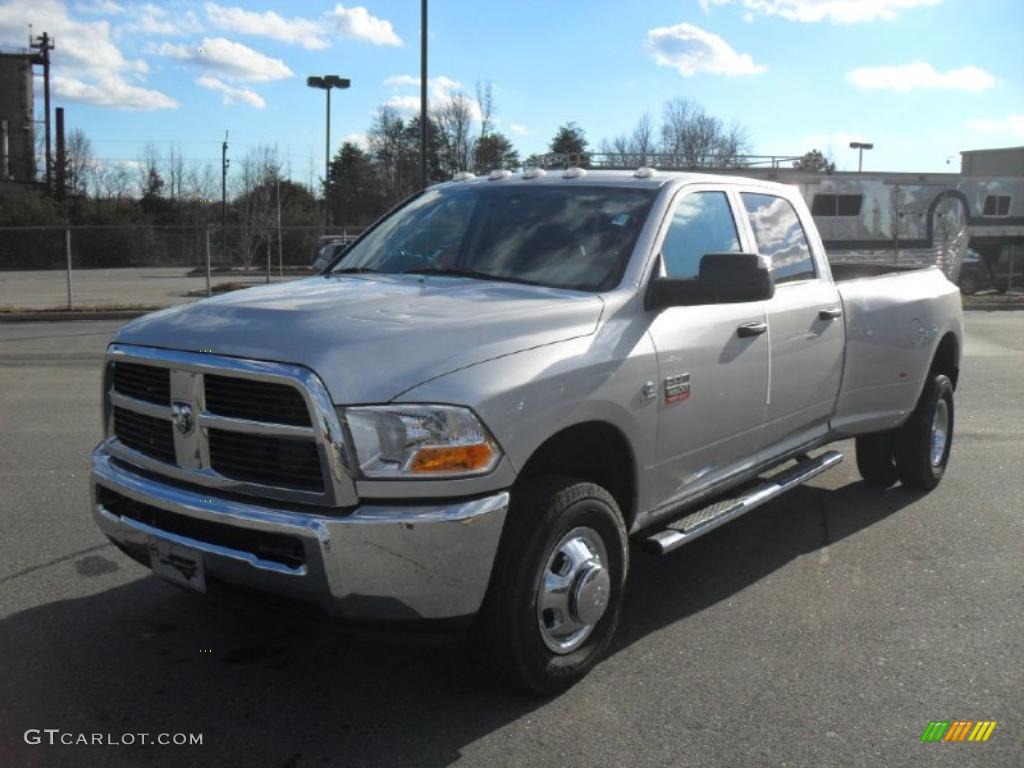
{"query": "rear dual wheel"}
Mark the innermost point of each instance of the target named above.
(917, 453)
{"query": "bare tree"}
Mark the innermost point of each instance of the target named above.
(485, 100)
(386, 149)
(694, 139)
(454, 120)
(79, 164)
(635, 149)
(175, 173)
(148, 167)
(256, 199)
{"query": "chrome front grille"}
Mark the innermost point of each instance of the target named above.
(245, 426)
(146, 434)
(256, 400)
(273, 460)
(144, 382)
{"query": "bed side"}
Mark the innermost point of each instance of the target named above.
(895, 324)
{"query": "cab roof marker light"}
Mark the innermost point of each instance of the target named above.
(463, 176)
(643, 172)
(534, 173)
(498, 174)
(574, 173)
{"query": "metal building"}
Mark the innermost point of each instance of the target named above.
(17, 129)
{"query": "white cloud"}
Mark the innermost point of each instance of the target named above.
(521, 130)
(296, 30)
(85, 48)
(359, 138)
(101, 7)
(407, 104)
(232, 93)
(440, 89)
(920, 74)
(111, 91)
(1011, 125)
(836, 11)
(359, 24)
(232, 59)
(689, 50)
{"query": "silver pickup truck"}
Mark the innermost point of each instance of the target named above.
(474, 409)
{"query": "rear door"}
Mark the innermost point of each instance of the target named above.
(805, 326)
(712, 380)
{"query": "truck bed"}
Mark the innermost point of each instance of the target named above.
(852, 270)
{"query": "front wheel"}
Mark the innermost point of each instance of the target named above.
(922, 444)
(554, 599)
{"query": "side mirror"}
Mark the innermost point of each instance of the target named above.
(724, 278)
(327, 254)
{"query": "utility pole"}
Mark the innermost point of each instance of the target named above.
(44, 44)
(224, 198)
(423, 95)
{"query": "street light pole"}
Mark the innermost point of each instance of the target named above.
(327, 162)
(423, 94)
(327, 82)
(860, 146)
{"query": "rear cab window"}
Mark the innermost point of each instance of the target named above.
(780, 236)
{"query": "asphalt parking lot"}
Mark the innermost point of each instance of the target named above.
(826, 629)
(146, 286)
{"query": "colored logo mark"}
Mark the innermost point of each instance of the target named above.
(958, 730)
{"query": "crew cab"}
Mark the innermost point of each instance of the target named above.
(468, 416)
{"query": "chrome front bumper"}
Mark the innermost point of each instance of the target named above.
(379, 562)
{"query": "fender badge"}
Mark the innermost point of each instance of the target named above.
(677, 388)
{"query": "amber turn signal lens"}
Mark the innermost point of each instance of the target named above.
(456, 458)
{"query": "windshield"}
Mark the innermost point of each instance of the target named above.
(558, 236)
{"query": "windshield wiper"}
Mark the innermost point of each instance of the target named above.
(473, 274)
(353, 271)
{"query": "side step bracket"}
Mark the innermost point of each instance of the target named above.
(699, 521)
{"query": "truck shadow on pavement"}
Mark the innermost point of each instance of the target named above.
(273, 691)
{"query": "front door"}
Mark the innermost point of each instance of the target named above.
(713, 377)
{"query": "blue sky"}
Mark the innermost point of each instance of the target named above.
(922, 79)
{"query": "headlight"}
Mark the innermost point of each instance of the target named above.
(420, 441)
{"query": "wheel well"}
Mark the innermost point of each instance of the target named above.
(594, 451)
(945, 360)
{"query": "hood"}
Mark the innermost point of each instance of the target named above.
(372, 337)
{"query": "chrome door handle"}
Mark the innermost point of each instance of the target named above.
(752, 329)
(830, 314)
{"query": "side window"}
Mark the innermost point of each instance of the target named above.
(780, 236)
(702, 223)
(997, 205)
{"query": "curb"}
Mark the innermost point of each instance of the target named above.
(993, 307)
(33, 317)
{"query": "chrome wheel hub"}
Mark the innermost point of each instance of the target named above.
(940, 433)
(574, 590)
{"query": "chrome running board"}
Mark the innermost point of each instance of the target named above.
(698, 522)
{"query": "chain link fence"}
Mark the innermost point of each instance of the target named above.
(149, 266)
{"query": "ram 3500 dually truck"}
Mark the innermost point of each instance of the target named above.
(469, 414)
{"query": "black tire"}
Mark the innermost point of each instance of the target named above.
(915, 463)
(968, 285)
(875, 459)
(543, 512)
